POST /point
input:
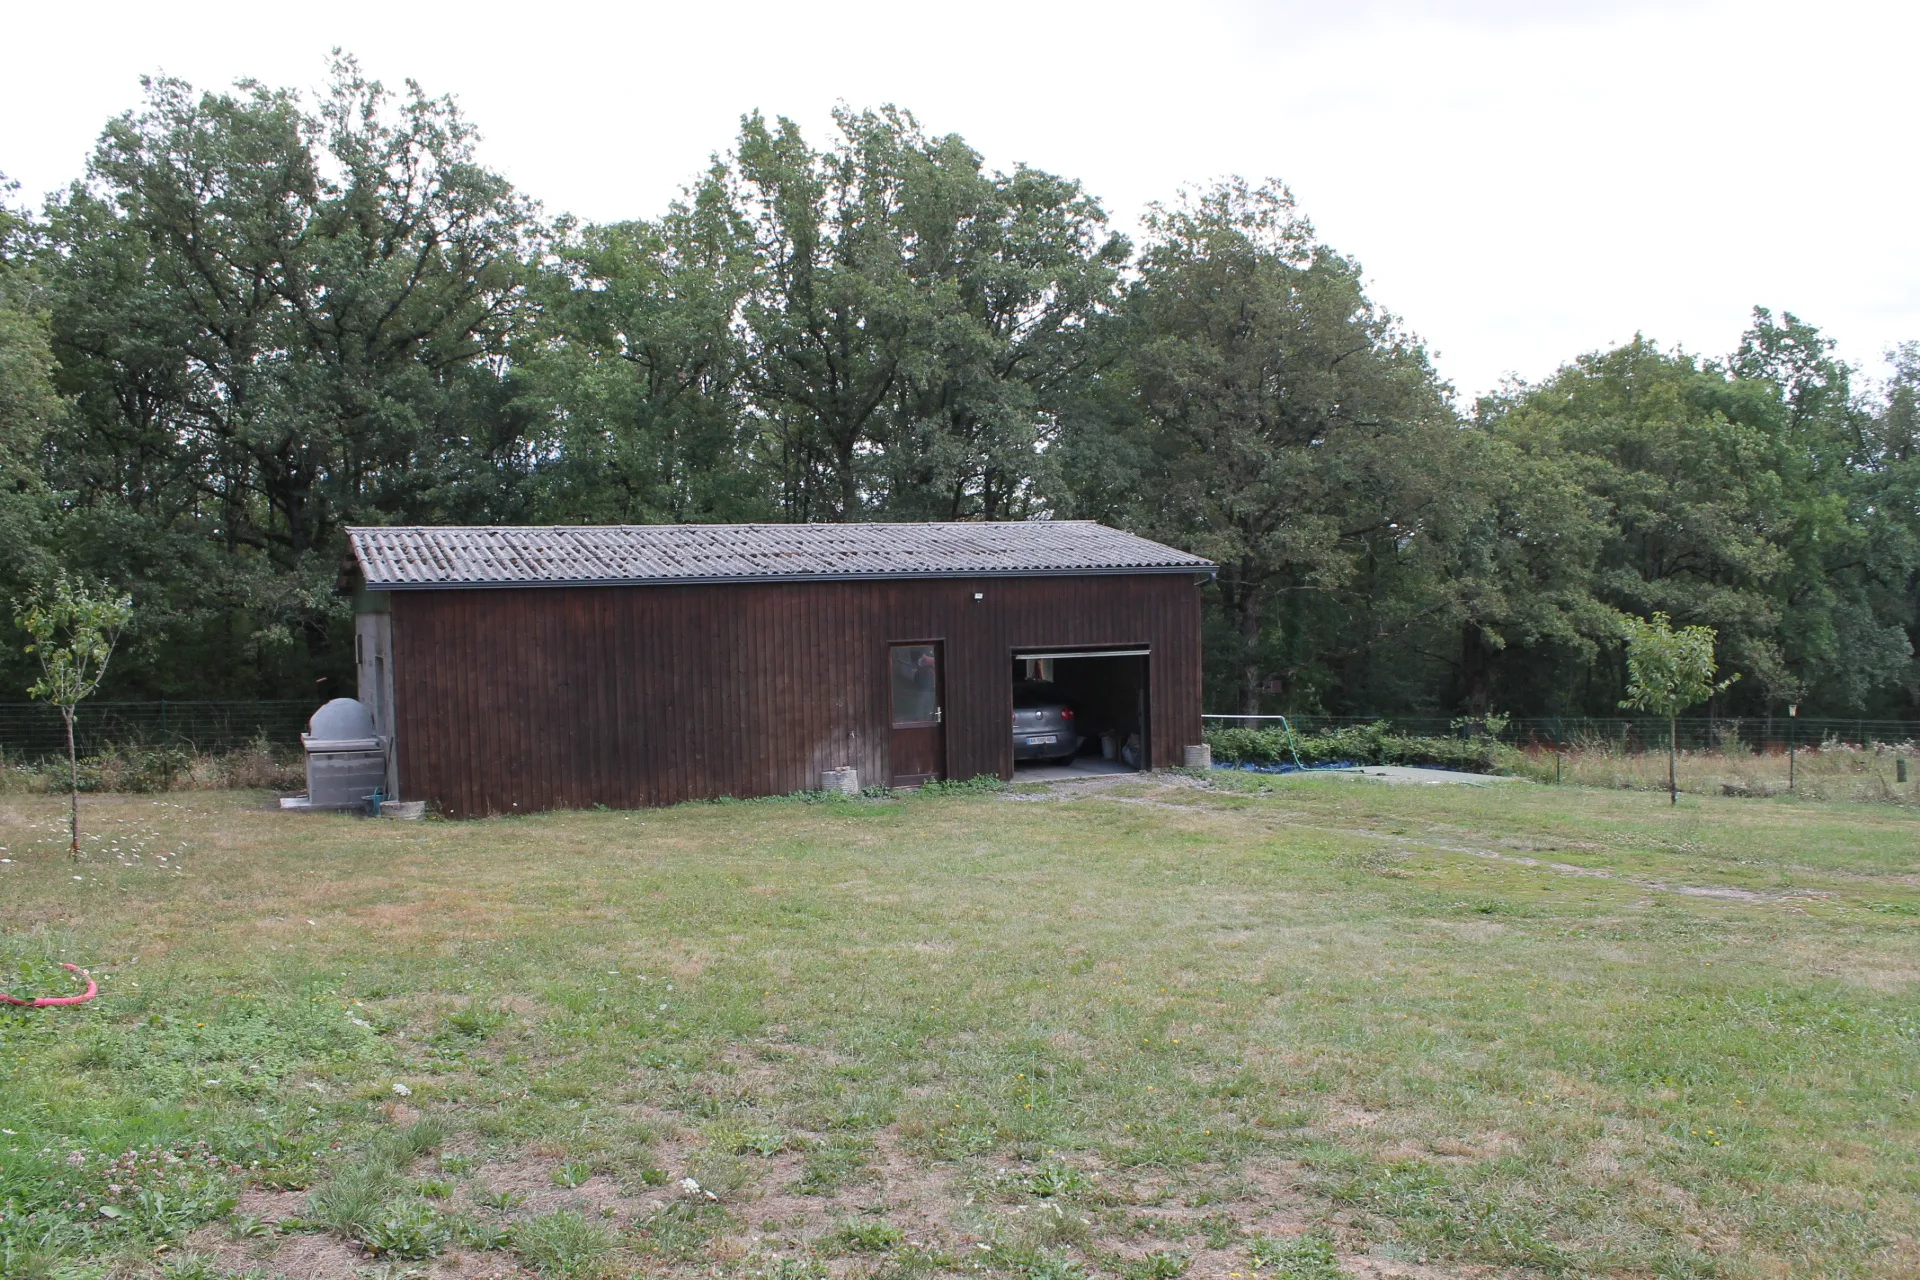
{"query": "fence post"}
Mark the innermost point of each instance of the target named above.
(1793, 718)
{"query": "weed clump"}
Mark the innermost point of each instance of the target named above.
(406, 1229)
(1303, 1257)
(866, 1237)
(366, 1200)
(564, 1245)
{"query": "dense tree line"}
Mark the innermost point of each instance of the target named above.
(258, 320)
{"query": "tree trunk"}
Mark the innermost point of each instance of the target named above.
(73, 787)
(1473, 671)
(849, 482)
(1673, 755)
(1249, 652)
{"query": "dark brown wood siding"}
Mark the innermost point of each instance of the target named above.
(511, 700)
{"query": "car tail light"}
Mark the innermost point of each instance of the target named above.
(1066, 713)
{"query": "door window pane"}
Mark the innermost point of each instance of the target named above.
(916, 684)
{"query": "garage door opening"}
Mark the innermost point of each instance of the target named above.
(1078, 712)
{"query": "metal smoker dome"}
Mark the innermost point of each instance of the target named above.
(342, 721)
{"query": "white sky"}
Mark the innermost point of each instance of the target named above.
(1523, 180)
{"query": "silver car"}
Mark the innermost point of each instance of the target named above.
(1043, 725)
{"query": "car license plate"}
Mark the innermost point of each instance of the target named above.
(1040, 742)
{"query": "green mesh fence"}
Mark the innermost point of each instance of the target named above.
(1619, 733)
(31, 731)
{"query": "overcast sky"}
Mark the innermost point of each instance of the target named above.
(1523, 180)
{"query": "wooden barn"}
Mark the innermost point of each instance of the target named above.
(515, 669)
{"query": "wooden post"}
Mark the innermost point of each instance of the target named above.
(73, 785)
(1793, 714)
(1673, 755)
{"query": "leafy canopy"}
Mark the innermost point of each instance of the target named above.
(264, 316)
(73, 634)
(1667, 670)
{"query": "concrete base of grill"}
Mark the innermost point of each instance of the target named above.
(300, 804)
(344, 779)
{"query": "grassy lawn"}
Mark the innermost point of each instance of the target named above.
(1270, 1028)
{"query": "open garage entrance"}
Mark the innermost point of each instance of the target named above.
(1080, 711)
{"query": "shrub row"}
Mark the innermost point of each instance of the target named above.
(1360, 744)
(149, 768)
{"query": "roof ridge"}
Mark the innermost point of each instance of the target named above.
(425, 556)
(753, 524)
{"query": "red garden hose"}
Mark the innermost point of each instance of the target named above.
(47, 1002)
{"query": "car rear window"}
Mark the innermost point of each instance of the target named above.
(1036, 695)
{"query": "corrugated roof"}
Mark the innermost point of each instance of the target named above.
(578, 555)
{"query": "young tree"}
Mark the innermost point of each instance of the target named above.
(74, 632)
(1667, 672)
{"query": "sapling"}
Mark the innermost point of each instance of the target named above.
(73, 632)
(1667, 672)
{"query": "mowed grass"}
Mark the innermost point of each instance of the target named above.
(1266, 1027)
